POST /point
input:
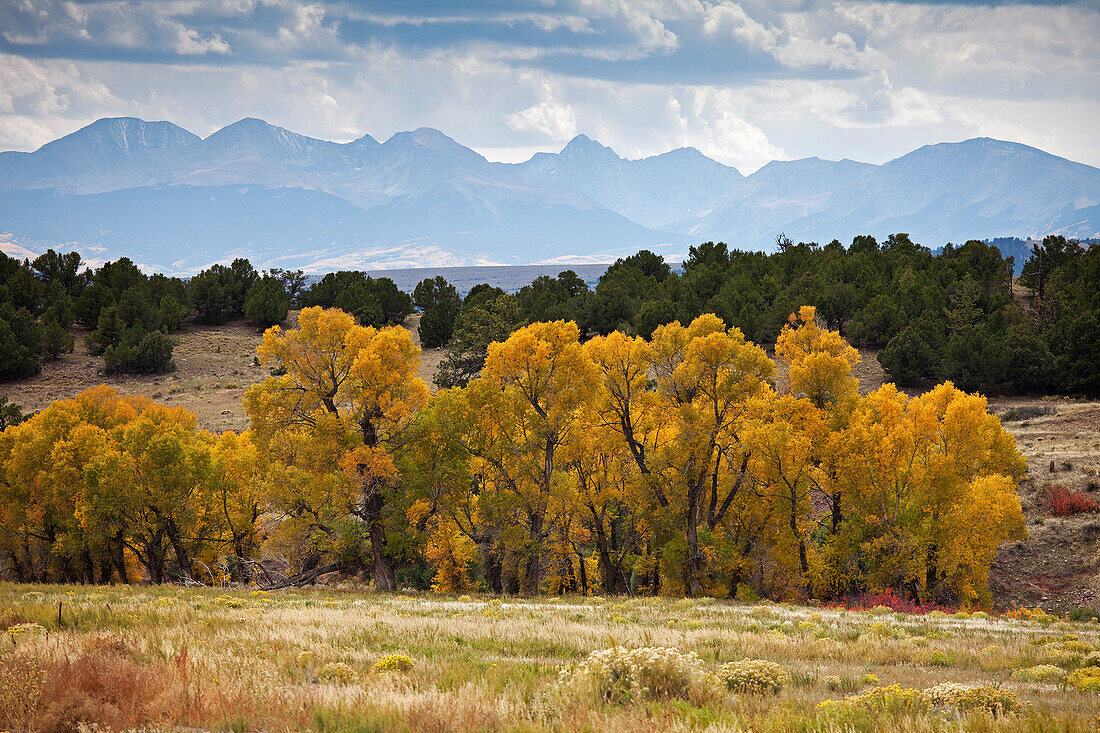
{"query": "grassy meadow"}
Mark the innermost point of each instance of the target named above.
(340, 659)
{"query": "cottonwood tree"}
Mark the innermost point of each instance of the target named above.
(152, 486)
(523, 410)
(684, 430)
(332, 420)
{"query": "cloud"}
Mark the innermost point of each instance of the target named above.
(742, 80)
(552, 119)
(306, 26)
(40, 101)
(191, 43)
(730, 19)
(719, 128)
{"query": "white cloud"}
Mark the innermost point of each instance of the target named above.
(730, 19)
(307, 26)
(790, 39)
(554, 120)
(719, 128)
(650, 33)
(191, 43)
(42, 100)
(861, 79)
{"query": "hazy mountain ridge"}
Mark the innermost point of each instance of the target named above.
(660, 191)
(127, 187)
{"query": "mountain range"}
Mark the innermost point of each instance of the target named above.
(175, 202)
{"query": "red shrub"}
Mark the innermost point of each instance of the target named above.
(1064, 502)
(891, 600)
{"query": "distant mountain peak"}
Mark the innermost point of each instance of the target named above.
(430, 133)
(798, 164)
(685, 152)
(366, 141)
(433, 139)
(252, 137)
(973, 150)
(246, 126)
(693, 156)
(582, 145)
(127, 134)
(255, 189)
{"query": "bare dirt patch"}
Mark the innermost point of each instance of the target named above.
(214, 367)
(1058, 565)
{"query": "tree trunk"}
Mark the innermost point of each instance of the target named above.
(155, 566)
(383, 569)
(373, 504)
(692, 587)
(930, 574)
(493, 569)
(87, 567)
(17, 568)
(118, 558)
(607, 570)
(803, 563)
(583, 573)
(305, 576)
(183, 559)
(735, 581)
(533, 575)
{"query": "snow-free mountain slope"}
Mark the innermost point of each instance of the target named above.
(659, 191)
(91, 150)
(975, 189)
(128, 187)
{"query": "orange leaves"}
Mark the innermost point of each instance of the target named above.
(930, 487)
(676, 452)
(102, 474)
(364, 376)
(820, 361)
(962, 436)
(451, 553)
(346, 399)
(368, 464)
(545, 364)
(623, 363)
(384, 375)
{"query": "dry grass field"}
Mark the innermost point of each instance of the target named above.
(328, 660)
(1058, 565)
(348, 659)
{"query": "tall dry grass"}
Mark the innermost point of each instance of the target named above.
(169, 658)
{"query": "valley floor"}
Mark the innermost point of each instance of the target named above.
(333, 659)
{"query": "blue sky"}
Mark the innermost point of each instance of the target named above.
(745, 82)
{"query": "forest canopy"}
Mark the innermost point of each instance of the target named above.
(954, 314)
(684, 463)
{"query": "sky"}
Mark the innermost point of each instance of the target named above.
(744, 82)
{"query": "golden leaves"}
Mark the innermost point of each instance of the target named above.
(820, 360)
